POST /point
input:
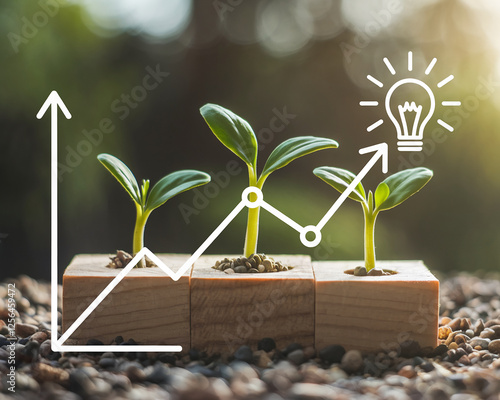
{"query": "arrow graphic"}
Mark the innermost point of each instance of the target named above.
(382, 151)
(53, 101)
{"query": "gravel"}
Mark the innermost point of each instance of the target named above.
(465, 364)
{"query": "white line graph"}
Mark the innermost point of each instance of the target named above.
(381, 151)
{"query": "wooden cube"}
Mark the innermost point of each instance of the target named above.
(374, 313)
(230, 310)
(147, 305)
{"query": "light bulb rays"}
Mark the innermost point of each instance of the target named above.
(408, 117)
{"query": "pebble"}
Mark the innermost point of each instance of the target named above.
(267, 344)
(262, 359)
(494, 346)
(479, 342)
(40, 337)
(244, 353)
(25, 330)
(352, 361)
(296, 356)
(332, 354)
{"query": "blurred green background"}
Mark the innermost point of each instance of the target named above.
(304, 62)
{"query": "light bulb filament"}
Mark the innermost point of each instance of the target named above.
(407, 108)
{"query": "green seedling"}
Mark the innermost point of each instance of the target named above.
(166, 188)
(392, 191)
(237, 135)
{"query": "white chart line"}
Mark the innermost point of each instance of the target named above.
(381, 151)
(145, 251)
(57, 344)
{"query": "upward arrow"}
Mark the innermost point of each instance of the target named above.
(53, 101)
(381, 151)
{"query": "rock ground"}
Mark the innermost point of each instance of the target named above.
(465, 365)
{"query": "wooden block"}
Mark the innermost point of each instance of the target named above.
(228, 311)
(147, 305)
(379, 312)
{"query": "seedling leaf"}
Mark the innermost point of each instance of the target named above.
(122, 174)
(340, 179)
(234, 132)
(292, 149)
(173, 184)
(404, 184)
(381, 194)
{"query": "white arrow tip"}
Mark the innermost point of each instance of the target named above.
(53, 100)
(382, 150)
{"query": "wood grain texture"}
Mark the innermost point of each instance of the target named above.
(147, 305)
(375, 313)
(228, 311)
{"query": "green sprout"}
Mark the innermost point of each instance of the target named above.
(392, 191)
(166, 188)
(237, 135)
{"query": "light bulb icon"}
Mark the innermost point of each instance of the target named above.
(410, 131)
(409, 117)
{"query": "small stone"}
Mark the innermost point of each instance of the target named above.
(479, 342)
(240, 269)
(244, 353)
(461, 338)
(409, 349)
(407, 371)
(337, 373)
(439, 350)
(261, 268)
(478, 327)
(360, 271)
(253, 270)
(464, 360)
(487, 333)
(25, 330)
(352, 361)
(135, 374)
(470, 333)
(47, 373)
(494, 346)
(39, 337)
(376, 272)
(107, 362)
(296, 356)
(267, 344)
(492, 322)
(453, 346)
(291, 347)
(158, 375)
(444, 321)
(261, 359)
(268, 265)
(194, 354)
(332, 354)
(455, 324)
(229, 271)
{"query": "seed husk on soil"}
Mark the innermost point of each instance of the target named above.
(122, 258)
(256, 263)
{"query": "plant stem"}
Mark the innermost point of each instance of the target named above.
(370, 218)
(138, 242)
(252, 232)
